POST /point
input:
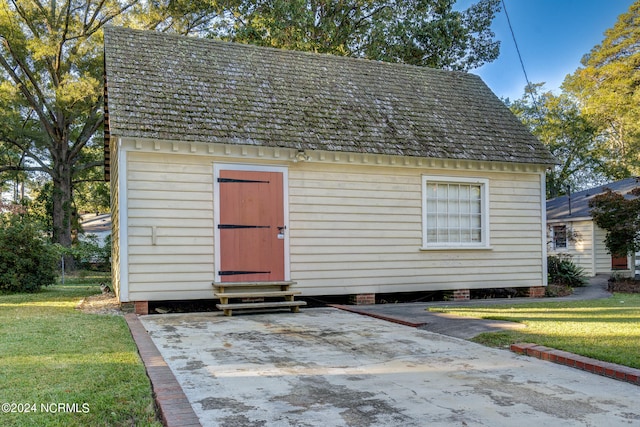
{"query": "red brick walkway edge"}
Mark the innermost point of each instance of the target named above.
(175, 409)
(611, 370)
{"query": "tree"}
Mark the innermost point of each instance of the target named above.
(620, 218)
(51, 62)
(419, 32)
(571, 138)
(202, 17)
(51, 88)
(608, 89)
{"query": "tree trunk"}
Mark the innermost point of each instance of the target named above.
(62, 206)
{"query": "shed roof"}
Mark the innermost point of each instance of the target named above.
(184, 88)
(576, 205)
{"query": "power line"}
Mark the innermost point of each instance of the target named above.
(515, 42)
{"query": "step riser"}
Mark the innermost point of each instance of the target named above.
(256, 294)
(258, 290)
(250, 284)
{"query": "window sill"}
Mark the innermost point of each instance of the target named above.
(456, 248)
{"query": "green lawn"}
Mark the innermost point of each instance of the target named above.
(604, 329)
(68, 368)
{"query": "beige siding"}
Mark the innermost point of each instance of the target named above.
(353, 228)
(587, 249)
(115, 221)
(603, 257)
(358, 229)
(580, 244)
(171, 196)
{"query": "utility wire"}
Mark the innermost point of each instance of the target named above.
(529, 86)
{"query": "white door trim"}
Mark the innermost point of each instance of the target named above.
(217, 167)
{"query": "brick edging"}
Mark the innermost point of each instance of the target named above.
(610, 370)
(173, 405)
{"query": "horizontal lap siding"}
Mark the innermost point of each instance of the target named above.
(115, 225)
(352, 229)
(174, 194)
(583, 251)
(603, 257)
(581, 245)
(358, 229)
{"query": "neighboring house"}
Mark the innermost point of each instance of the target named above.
(571, 230)
(98, 225)
(231, 162)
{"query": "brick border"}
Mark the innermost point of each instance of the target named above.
(174, 407)
(606, 369)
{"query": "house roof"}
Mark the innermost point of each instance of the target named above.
(183, 88)
(577, 204)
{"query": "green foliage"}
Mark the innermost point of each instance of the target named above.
(89, 254)
(608, 89)
(51, 67)
(419, 32)
(562, 271)
(558, 123)
(51, 83)
(620, 218)
(27, 261)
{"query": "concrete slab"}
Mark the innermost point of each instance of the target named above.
(418, 315)
(333, 368)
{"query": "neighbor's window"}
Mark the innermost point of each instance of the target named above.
(559, 237)
(456, 212)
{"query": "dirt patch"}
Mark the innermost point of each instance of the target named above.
(554, 290)
(105, 303)
(625, 286)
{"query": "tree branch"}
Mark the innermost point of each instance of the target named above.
(86, 166)
(91, 125)
(35, 102)
(21, 169)
(27, 152)
(80, 181)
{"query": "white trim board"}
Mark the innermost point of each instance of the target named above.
(217, 167)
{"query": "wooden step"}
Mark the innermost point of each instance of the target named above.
(256, 294)
(294, 305)
(250, 284)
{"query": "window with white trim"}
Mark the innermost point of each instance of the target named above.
(455, 212)
(559, 233)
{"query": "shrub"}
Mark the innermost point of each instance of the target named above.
(562, 271)
(27, 261)
(89, 254)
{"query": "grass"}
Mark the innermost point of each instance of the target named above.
(603, 329)
(52, 354)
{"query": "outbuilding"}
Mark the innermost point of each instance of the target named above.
(231, 162)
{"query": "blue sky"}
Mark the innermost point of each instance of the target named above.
(552, 36)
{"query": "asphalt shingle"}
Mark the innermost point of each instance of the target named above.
(576, 205)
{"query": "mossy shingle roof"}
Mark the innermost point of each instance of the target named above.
(184, 88)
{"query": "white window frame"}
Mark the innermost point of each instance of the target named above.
(484, 242)
(566, 237)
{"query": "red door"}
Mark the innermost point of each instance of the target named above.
(251, 226)
(619, 262)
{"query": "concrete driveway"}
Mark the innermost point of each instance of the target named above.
(326, 367)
